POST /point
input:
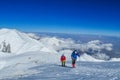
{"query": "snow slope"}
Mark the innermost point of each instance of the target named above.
(16, 65)
(21, 42)
(39, 60)
(46, 66)
(84, 71)
(31, 69)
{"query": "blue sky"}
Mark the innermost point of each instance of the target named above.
(63, 16)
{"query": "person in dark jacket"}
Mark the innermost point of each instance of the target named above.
(74, 56)
(63, 60)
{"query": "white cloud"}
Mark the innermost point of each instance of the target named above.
(66, 45)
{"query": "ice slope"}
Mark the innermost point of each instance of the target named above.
(21, 42)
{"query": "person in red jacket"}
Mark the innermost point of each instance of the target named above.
(63, 60)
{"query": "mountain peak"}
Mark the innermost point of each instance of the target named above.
(6, 29)
(20, 42)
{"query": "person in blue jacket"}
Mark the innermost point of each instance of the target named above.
(74, 56)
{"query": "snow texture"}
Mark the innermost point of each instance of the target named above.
(35, 58)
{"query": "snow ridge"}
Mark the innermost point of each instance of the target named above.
(20, 42)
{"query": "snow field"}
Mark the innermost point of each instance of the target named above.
(33, 59)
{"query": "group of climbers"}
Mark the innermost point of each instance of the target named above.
(74, 56)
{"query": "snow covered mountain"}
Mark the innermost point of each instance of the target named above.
(32, 57)
(20, 42)
(27, 42)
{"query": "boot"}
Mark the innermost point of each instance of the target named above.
(73, 65)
